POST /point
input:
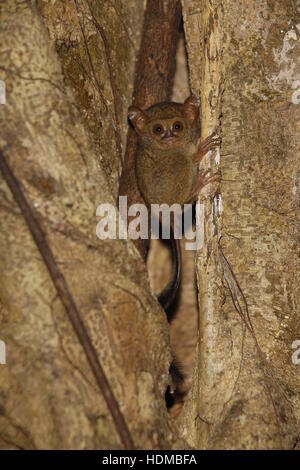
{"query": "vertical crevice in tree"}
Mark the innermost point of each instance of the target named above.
(153, 81)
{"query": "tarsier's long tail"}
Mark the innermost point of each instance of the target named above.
(166, 299)
(168, 295)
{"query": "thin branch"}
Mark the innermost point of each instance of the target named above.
(67, 300)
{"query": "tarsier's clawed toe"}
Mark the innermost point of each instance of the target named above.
(204, 178)
(207, 177)
(214, 143)
(210, 143)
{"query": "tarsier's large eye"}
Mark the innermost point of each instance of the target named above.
(158, 129)
(178, 126)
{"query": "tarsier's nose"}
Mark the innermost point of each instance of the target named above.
(168, 134)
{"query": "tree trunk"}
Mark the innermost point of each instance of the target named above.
(60, 134)
(244, 62)
(68, 69)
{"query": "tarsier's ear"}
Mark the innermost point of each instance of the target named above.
(138, 118)
(191, 108)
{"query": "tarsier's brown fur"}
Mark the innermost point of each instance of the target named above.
(169, 152)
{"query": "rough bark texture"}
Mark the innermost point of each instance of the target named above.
(48, 395)
(244, 61)
(97, 42)
(69, 69)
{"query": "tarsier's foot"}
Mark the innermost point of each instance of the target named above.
(204, 177)
(211, 142)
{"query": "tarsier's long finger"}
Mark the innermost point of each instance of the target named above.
(211, 143)
(204, 173)
(205, 147)
(200, 154)
(212, 146)
(211, 136)
(205, 182)
(202, 183)
(215, 177)
(207, 139)
(207, 176)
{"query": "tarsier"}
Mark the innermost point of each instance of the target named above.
(168, 155)
(167, 160)
(169, 152)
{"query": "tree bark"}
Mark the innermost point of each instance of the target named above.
(68, 68)
(49, 128)
(244, 62)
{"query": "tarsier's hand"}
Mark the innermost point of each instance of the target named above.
(204, 176)
(211, 142)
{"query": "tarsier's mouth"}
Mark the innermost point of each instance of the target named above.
(169, 141)
(169, 138)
